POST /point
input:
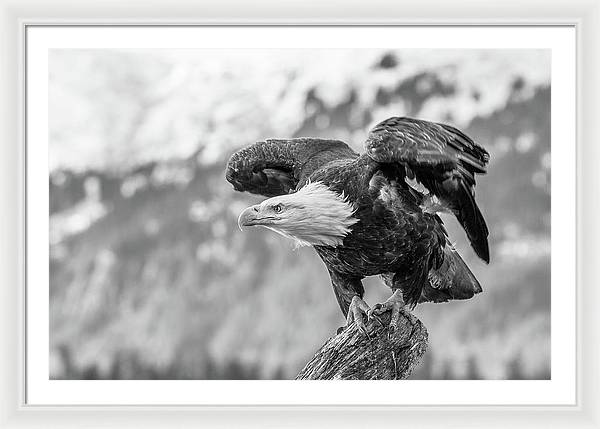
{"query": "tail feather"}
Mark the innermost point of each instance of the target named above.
(473, 223)
(458, 196)
(453, 280)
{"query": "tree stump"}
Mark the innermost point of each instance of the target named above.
(352, 355)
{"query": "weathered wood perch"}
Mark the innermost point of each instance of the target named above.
(351, 355)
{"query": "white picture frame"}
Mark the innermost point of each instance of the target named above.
(14, 411)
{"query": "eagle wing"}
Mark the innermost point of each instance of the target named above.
(276, 166)
(444, 160)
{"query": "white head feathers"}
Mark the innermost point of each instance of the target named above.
(313, 216)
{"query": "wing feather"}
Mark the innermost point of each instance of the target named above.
(276, 166)
(443, 159)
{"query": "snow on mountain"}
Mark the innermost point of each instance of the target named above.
(115, 109)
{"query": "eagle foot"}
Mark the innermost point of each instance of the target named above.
(356, 313)
(396, 305)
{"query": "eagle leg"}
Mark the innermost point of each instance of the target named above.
(396, 305)
(358, 309)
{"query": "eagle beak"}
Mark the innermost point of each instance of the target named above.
(249, 217)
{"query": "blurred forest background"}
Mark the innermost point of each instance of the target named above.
(150, 276)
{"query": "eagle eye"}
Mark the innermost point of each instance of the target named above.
(277, 208)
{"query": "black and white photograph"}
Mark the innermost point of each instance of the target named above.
(281, 214)
(294, 214)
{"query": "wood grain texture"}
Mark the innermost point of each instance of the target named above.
(351, 355)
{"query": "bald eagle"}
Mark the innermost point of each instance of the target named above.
(375, 213)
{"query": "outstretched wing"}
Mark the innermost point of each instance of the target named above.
(444, 160)
(275, 167)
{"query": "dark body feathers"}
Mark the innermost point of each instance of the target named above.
(396, 237)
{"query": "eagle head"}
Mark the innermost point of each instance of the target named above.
(314, 215)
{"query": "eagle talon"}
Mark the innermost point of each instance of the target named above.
(358, 308)
(378, 320)
(395, 304)
(377, 309)
(371, 315)
(391, 332)
(363, 329)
